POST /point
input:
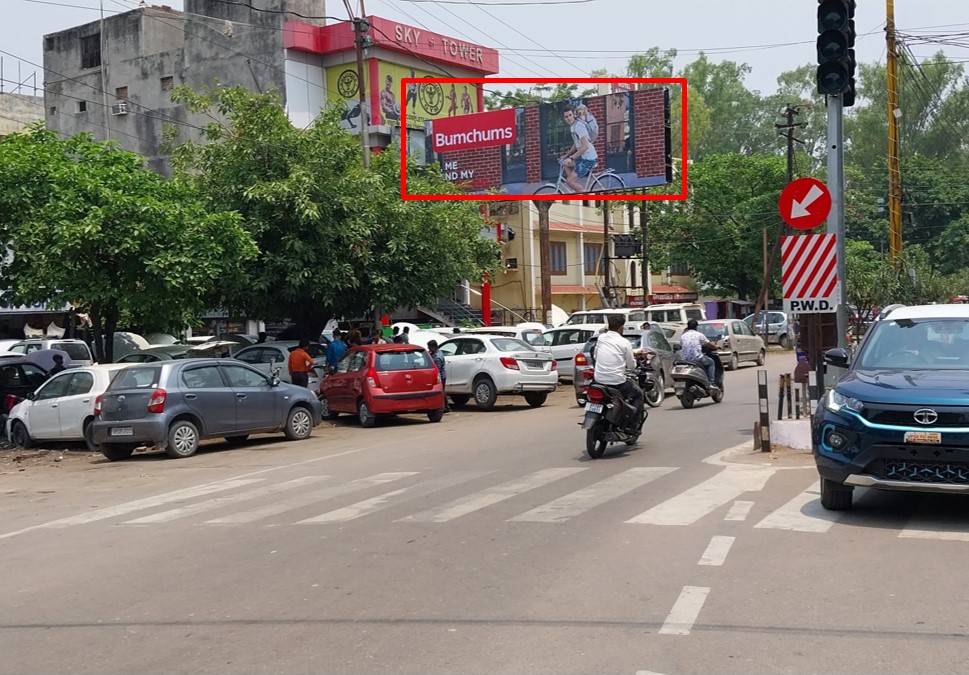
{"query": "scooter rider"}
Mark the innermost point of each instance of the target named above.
(692, 342)
(613, 356)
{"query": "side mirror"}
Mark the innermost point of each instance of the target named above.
(331, 370)
(31, 396)
(274, 381)
(275, 372)
(836, 357)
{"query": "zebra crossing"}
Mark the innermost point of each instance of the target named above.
(550, 496)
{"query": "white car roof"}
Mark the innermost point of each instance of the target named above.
(953, 311)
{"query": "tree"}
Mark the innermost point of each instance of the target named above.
(540, 93)
(334, 239)
(90, 226)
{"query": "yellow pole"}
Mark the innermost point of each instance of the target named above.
(894, 170)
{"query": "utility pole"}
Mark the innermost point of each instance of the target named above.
(644, 232)
(894, 169)
(606, 282)
(544, 246)
(360, 27)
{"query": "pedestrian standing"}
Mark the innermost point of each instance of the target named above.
(261, 338)
(438, 359)
(335, 350)
(300, 365)
(354, 338)
(58, 365)
(405, 335)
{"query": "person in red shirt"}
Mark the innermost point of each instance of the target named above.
(300, 365)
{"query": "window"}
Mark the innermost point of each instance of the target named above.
(81, 106)
(558, 262)
(344, 365)
(694, 314)
(240, 376)
(121, 93)
(252, 356)
(53, 389)
(511, 345)
(48, 44)
(33, 375)
(91, 51)
(167, 83)
(53, 110)
(136, 378)
(358, 361)
(205, 377)
(78, 351)
(450, 348)
(657, 341)
(471, 347)
(680, 268)
(590, 258)
(81, 383)
(403, 361)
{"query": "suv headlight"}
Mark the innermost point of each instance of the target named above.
(837, 401)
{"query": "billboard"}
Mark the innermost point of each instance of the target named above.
(597, 144)
(425, 98)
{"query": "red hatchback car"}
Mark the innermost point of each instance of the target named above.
(374, 380)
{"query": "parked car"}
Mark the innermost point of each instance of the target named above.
(385, 379)
(19, 376)
(61, 409)
(213, 349)
(777, 325)
(532, 336)
(78, 350)
(488, 366)
(673, 333)
(676, 313)
(157, 353)
(737, 342)
(565, 343)
(635, 318)
(653, 340)
(896, 419)
(173, 405)
(270, 356)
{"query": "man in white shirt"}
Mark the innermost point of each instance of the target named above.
(613, 357)
(582, 157)
(691, 343)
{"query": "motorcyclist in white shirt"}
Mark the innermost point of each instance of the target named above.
(613, 357)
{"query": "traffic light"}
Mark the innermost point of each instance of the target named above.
(836, 54)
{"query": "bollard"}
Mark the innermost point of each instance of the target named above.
(788, 386)
(764, 406)
(797, 404)
(812, 393)
(780, 397)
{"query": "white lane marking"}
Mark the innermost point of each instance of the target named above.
(688, 507)
(217, 502)
(685, 611)
(742, 451)
(379, 502)
(804, 513)
(580, 501)
(479, 500)
(138, 505)
(308, 499)
(739, 511)
(717, 551)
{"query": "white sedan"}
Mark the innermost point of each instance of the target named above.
(565, 343)
(486, 366)
(62, 408)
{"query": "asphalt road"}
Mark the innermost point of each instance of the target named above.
(485, 543)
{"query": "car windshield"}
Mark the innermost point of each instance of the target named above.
(587, 317)
(413, 360)
(534, 337)
(511, 345)
(713, 330)
(136, 378)
(76, 350)
(635, 340)
(922, 344)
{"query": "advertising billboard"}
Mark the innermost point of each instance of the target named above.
(601, 144)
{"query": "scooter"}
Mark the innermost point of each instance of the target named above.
(609, 418)
(650, 380)
(690, 381)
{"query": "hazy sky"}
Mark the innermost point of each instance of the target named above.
(770, 35)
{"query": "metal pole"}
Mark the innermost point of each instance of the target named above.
(764, 406)
(544, 246)
(104, 80)
(644, 230)
(606, 282)
(836, 219)
(358, 27)
(894, 169)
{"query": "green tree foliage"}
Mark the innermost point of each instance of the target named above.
(90, 226)
(334, 239)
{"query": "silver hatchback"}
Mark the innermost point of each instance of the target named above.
(173, 405)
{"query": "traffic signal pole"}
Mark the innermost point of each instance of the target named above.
(836, 219)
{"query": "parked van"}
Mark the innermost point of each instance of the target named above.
(675, 313)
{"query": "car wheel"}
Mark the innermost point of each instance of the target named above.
(116, 452)
(436, 415)
(299, 424)
(734, 362)
(536, 399)
(835, 497)
(20, 437)
(183, 439)
(459, 400)
(367, 418)
(237, 440)
(761, 357)
(325, 410)
(485, 393)
(89, 437)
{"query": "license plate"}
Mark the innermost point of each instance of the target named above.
(924, 437)
(122, 431)
(536, 364)
(593, 407)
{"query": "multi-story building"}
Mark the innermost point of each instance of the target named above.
(18, 111)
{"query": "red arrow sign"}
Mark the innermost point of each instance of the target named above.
(805, 203)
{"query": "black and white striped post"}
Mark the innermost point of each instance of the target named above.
(764, 405)
(812, 393)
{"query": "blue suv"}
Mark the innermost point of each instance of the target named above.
(898, 418)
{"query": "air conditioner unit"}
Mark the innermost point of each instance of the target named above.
(120, 108)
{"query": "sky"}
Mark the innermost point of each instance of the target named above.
(562, 38)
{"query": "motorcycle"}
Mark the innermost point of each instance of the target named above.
(650, 381)
(690, 381)
(609, 418)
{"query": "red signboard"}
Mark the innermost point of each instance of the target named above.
(805, 203)
(482, 130)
